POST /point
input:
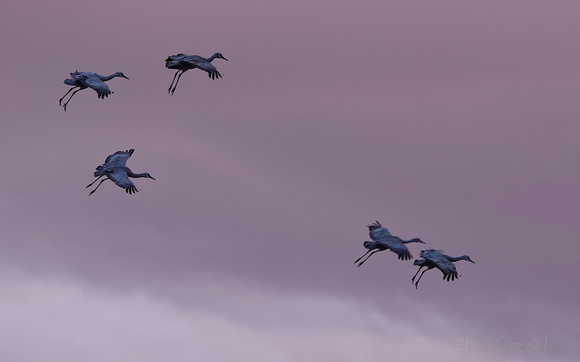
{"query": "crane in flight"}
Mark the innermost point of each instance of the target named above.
(83, 80)
(115, 169)
(184, 62)
(384, 240)
(436, 259)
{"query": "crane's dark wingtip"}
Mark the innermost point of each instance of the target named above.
(405, 256)
(131, 190)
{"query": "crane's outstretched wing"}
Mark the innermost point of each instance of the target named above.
(83, 75)
(400, 249)
(377, 232)
(120, 178)
(382, 235)
(98, 85)
(76, 79)
(174, 61)
(198, 62)
(118, 159)
(447, 268)
(72, 81)
(176, 57)
(423, 262)
(431, 253)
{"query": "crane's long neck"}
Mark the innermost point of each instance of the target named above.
(414, 240)
(455, 258)
(137, 175)
(108, 77)
(212, 57)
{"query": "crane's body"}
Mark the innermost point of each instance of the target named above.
(83, 80)
(115, 169)
(437, 259)
(384, 240)
(184, 62)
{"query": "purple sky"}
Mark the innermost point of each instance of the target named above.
(454, 121)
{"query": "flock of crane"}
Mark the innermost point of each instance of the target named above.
(115, 168)
(384, 240)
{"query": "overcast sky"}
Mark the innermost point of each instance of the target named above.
(454, 121)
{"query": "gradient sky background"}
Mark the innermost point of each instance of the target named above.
(453, 121)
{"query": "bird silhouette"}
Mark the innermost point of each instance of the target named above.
(115, 169)
(83, 80)
(436, 259)
(183, 62)
(384, 240)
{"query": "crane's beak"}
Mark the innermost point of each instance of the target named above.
(124, 76)
(224, 58)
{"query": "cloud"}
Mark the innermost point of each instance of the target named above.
(57, 320)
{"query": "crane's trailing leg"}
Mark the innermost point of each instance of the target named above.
(413, 278)
(97, 186)
(356, 261)
(72, 95)
(420, 276)
(171, 86)
(91, 184)
(177, 81)
(371, 254)
(60, 100)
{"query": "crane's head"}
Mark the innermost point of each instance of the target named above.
(219, 55)
(148, 176)
(466, 257)
(120, 74)
(416, 240)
